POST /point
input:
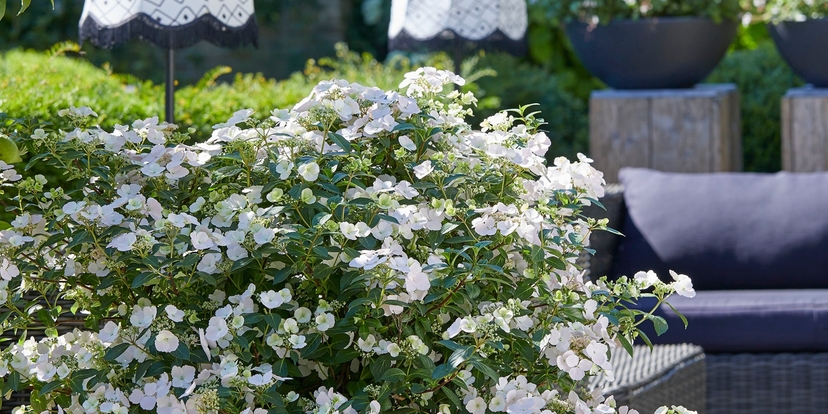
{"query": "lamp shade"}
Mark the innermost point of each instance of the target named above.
(458, 24)
(170, 24)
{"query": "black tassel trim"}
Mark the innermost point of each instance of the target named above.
(142, 26)
(448, 40)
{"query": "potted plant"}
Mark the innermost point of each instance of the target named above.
(365, 252)
(798, 29)
(644, 44)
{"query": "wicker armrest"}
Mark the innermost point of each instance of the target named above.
(665, 375)
(605, 243)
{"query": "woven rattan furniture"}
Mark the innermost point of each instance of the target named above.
(737, 383)
(767, 383)
(667, 375)
(66, 323)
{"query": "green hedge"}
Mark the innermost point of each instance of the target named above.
(763, 78)
(35, 84)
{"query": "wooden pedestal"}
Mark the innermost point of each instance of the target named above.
(805, 130)
(682, 130)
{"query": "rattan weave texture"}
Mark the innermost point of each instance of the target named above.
(767, 383)
(669, 375)
(65, 323)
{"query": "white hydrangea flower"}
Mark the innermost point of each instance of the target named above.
(573, 365)
(110, 332)
(153, 170)
(404, 189)
(264, 236)
(646, 279)
(8, 270)
(367, 344)
(272, 299)
(182, 377)
(123, 242)
(297, 341)
(302, 315)
(217, 329)
(201, 240)
(423, 169)
(175, 314)
(142, 317)
(683, 285)
(309, 171)
(307, 196)
(407, 143)
(166, 341)
(209, 263)
(324, 322)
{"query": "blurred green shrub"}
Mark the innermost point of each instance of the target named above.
(60, 81)
(763, 78)
(36, 84)
(41, 26)
(502, 81)
(607, 10)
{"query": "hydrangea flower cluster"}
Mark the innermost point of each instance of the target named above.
(366, 251)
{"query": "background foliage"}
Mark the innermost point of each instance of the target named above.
(790, 9)
(65, 81)
(763, 79)
(127, 82)
(606, 10)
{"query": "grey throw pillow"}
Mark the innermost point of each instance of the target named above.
(727, 230)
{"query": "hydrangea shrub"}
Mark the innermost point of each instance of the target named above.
(365, 252)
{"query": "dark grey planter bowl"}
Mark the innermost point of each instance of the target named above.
(658, 53)
(803, 46)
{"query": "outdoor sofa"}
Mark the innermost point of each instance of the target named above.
(756, 248)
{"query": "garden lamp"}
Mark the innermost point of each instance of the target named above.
(458, 26)
(170, 24)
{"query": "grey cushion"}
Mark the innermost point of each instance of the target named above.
(727, 230)
(747, 320)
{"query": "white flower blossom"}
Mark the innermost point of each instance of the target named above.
(683, 285)
(175, 314)
(142, 317)
(166, 341)
(124, 242)
(423, 169)
(264, 236)
(309, 171)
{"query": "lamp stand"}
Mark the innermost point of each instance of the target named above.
(457, 55)
(170, 87)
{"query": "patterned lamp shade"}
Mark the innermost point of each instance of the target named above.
(170, 24)
(458, 25)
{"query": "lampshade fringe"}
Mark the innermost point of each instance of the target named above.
(207, 27)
